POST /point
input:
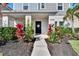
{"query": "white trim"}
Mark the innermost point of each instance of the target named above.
(37, 6)
(15, 23)
(5, 21)
(44, 6)
(22, 6)
(26, 19)
(53, 19)
(28, 6)
(62, 7)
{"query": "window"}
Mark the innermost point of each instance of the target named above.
(42, 5)
(11, 23)
(61, 23)
(25, 6)
(60, 6)
(5, 21)
(55, 23)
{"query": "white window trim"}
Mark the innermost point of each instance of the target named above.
(22, 6)
(62, 7)
(37, 6)
(44, 6)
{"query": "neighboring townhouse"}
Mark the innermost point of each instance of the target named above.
(40, 14)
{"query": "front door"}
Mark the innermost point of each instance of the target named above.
(38, 27)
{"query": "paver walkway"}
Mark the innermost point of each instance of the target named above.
(40, 47)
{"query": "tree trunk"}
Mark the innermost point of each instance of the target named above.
(73, 31)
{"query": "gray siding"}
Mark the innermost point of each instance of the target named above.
(17, 6)
(62, 13)
(49, 7)
(10, 22)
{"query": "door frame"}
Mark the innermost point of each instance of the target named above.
(35, 26)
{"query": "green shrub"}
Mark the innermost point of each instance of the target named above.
(29, 32)
(8, 33)
(65, 30)
(53, 37)
(0, 32)
(76, 30)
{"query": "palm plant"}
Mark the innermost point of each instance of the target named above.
(71, 13)
(29, 31)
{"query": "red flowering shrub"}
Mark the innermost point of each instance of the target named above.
(49, 29)
(19, 32)
(20, 26)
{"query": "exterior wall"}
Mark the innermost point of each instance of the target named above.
(48, 15)
(27, 19)
(11, 21)
(49, 7)
(17, 6)
(61, 13)
(35, 7)
(8, 21)
(44, 22)
(52, 19)
(76, 23)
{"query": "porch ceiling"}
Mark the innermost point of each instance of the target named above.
(40, 16)
(16, 16)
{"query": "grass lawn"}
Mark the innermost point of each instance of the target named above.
(75, 45)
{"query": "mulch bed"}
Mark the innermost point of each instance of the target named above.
(61, 49)
(17, 49)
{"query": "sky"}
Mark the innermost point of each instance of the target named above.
(10, 5)
(72, 5)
